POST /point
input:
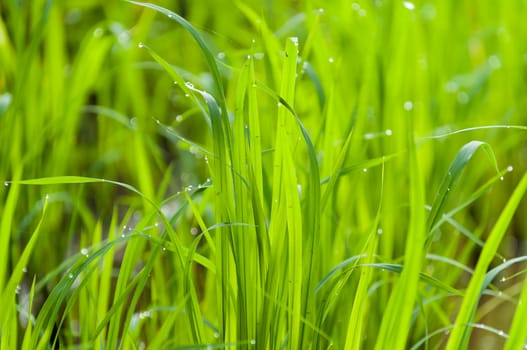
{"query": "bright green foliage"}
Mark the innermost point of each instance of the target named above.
(263, 174)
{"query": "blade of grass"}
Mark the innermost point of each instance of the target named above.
(460, 335)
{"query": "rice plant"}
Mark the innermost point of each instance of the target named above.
(262, 175)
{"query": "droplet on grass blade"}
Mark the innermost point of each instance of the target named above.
(84, 252)
(408, 105)
(6, 183)
(294, 39)
(98, 32)
(494, 62)
(331, 60)
(140, 45)
(462, 98)
(510, 168)
(409, 5)
(253, 342)
(388, 132)
(221, 55)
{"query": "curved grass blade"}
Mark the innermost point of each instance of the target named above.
(460, 335)
(449, 180)
(209, 56)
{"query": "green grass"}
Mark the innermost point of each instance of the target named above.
(263, 175)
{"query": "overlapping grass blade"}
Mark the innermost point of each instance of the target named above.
(460, 334)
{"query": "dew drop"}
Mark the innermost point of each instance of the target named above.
(503, 279)
(46, 197)
(24, 269)
(122, 235)
(194, 231)
(18, 289)
(156, 224)
(494, 62)
(355, 6)
(140, 45)
(216, 335)
(253, 342)
(221, 55)
(295, 40)
(188, 188)
(253, 41)
(408, 105)
(98, 32)
(501, 333)
(462, 98)
(179, 118)
(388, 132)
(448, 189)
(365, 170)
(6, 184)
(320, 11)
(510, 168)
(171, 16)
(502, 178)
(189, 85)
(331, 60)
(362, 12)
(279, 104)
(409, 5)
(164, 249)
(84, 252)
(187, 95)
(70, 276)
(379, 231)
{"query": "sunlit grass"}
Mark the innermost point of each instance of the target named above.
(262, 175)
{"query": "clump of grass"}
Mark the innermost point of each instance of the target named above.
(262, 176)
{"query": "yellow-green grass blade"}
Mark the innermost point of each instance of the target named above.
(403, 297)
(8, 292)
(460, 335)
(517, 332)
(359, 311)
